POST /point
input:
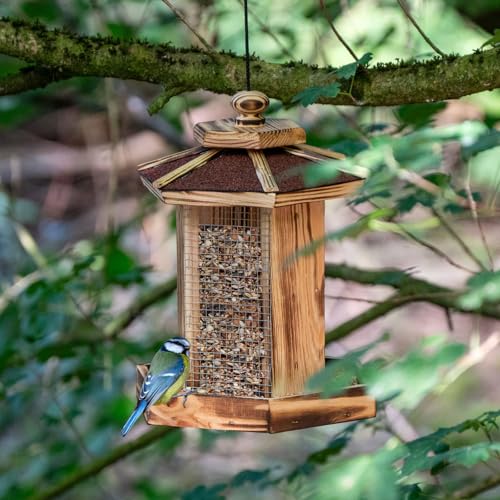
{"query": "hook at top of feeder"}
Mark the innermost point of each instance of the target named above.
(250, 104)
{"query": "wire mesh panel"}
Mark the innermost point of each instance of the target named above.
(226, 299)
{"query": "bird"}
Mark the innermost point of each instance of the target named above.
(167, 373)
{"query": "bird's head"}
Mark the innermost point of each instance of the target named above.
(177, 345)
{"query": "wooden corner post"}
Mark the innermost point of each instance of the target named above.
(297, 288)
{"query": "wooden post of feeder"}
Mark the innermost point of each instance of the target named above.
(251, 275)
(297, 284)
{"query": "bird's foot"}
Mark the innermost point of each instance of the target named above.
(184, 395)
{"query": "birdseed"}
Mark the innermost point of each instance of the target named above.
(231, 354)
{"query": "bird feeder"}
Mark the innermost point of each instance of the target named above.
(252, 308)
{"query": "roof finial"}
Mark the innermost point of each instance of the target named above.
(250, 104)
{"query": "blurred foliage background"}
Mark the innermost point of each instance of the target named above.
(87, 267)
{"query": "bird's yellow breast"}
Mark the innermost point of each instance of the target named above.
(177, 385)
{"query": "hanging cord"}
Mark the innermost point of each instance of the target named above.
(247, 49)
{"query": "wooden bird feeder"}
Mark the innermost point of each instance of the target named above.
(251, 308)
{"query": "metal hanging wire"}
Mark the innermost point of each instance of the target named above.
(247, 48)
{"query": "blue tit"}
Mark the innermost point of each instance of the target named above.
(167, 373)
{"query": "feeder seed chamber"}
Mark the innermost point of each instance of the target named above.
(251, 307)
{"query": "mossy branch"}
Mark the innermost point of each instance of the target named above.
(29, 78)
(66, 54)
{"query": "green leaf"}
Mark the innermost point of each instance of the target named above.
(48, 10)
(250, 476)
(419, 115)
(413, 492)
(334, 448)
(365, 59)
(339, 373)
(482, 287)
(415, 375)
(15, 110)
(120, 30)
(349, 70)
(120, 267)
(366, 477)
(353, 230)
(488, 140)
(407, 380)
(312, 94)
(205, 493)
(467, 456)
(420, 454)
(494, 40)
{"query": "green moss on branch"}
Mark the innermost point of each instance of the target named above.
(28, 79)
(190, 69)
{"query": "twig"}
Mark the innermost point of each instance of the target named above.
(473, 357)
(354, 299)
(85, 315)
(473, 209)
(435, 250)
(113, 114)
(64, 417)
(375, 312)
(399, 425)
(354, 125)
(17, 288)
(337, 34)
(407, 12)
(449, 320)
(93, 468)
(183, 20)
(138, 306)
(474, 490)
(419, 181)
(162, 99)
(458, 239)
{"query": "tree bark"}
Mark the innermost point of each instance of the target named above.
(57, 54)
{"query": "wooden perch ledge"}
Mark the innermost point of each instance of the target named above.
(58, 55)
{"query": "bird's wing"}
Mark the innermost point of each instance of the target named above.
(155, 385)
(163, 373)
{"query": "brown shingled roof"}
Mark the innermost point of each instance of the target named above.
(232, 170)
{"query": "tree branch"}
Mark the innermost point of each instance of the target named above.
(93, 468)
(28, 79)
(366, 317)
(191, 69)
(410, 289)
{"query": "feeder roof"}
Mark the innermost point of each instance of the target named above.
(246, 161)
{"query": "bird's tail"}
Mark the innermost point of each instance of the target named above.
(139, 410)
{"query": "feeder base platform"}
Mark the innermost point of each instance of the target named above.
(260, 414)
